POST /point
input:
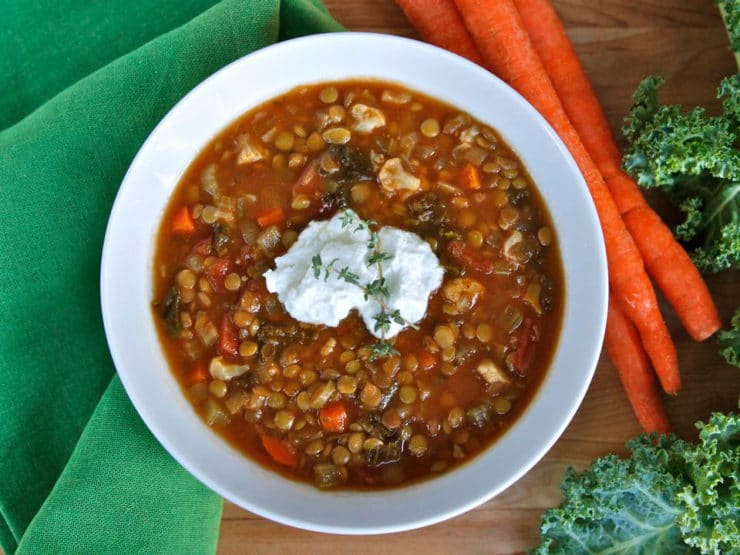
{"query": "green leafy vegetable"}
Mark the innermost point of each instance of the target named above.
(729, 340)
(731, 14)
(670, 496)
(694, 159)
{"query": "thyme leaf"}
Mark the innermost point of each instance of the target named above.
(376, 289)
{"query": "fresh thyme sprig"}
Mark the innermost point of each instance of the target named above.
(376, 289)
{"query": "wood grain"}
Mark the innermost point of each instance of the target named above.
(619, 42)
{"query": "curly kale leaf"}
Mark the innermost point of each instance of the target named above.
(617, 506)
(670, 496)
(694, 159)
(669, 147)
(729, 90)
(729, 340)
(710, 521)
(731, 13)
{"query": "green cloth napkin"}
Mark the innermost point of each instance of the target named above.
(83, 85)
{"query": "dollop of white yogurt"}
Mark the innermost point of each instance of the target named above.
(412, 274)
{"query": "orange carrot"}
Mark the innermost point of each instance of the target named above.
(674, 272)
(625, 192)
(280, 451)
(197, 374)
(439, 22)
(564, 69)
(333, 417)
(665, 259)
(182, 222)
(469, 178)
(426, 360)
(498, 31)
(628, 357)
(271, 216)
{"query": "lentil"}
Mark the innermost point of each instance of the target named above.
(284, 141)
(329, 95)
(456, 417)
(186, 279)
(544, 235)
(347, 385)
(340, 455)
(407, 394)
(337, 135)
(475, 238)
(430, 128)
(371, 395)
(284, 420)
(248, 349)
(315, 142)
(484, 333)
(232, 282)
(418, 445)
(217, 388)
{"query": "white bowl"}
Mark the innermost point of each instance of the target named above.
(126, 281)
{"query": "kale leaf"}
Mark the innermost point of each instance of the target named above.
(670, 496)
(729, 340)
(711, 498)
(731, 14)
(694, 159)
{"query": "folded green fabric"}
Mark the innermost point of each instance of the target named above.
(80, 472)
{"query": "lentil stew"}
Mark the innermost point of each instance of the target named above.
(317, 403)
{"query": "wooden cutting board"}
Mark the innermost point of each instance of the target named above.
(619, 42)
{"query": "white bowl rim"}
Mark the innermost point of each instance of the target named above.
(348, 512)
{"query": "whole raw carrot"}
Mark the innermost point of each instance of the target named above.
(666, 260)
(674, 272)
(439, 23)
(627, 355)
(564, 69)
(499, 33)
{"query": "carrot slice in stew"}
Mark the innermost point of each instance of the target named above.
(469, 177)
(228, 339)
(271, 217)
(333, 417)
(426, 360)
(182, 222)
(197, 374)
(280, 451)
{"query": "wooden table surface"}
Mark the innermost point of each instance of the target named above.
(619, 42)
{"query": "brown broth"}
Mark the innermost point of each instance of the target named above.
(444, 387)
